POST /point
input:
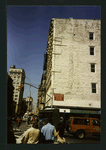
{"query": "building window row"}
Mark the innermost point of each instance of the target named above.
(16, 73)
(91, 37)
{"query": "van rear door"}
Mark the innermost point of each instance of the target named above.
(96, 127)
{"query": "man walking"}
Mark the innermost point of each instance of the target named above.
(48, 132)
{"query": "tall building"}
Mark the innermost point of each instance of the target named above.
(10, 103)
(29, 103)
(18, 76)
(73, 65)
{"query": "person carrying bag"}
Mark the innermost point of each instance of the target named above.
(58, 132)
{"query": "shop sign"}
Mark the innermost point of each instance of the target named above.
(83, 111)
(59, 97)
(64, 110)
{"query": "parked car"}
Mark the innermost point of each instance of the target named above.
(81, 126)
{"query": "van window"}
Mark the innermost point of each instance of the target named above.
(81, 121)
(96, 122)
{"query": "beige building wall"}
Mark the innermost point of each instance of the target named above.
(18, 77)
(71, 62)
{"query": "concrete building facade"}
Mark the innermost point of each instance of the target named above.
(18, 77)
(29, 103)
(73, 64)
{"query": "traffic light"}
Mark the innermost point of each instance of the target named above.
(19, 88)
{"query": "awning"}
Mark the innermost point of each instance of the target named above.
(85, 111)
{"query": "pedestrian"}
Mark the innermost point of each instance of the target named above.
(48, 132)
(19, 121)
(59, 132)
(32, 134)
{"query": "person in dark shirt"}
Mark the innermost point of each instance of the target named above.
(60, 128)
(59, 133)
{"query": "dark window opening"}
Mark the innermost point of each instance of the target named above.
(93, 87)
(91, 50)
(91, 35)
(96, 122)
(92, 67)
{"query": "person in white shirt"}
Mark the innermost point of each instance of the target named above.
(32, 134)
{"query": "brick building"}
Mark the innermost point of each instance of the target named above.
(72, 66)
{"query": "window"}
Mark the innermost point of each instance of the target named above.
(14, 76)
(92, 67)
(96, 122)
(93, 87)
(16, 95)
(81, 121)
(91, 35)
(91, 50)
(15, 98)
(87, 122)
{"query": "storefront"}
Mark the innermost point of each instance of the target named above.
(80, 113)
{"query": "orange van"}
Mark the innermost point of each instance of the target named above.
(81, 126)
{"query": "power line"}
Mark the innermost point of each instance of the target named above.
(31, 85)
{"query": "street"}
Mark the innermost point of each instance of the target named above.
(20, 132)
(88, 139)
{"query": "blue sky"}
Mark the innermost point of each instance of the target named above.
(27, 35)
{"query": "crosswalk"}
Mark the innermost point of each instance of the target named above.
(19, 133)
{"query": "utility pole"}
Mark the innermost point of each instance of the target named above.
(52, 97)
(46, 93)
